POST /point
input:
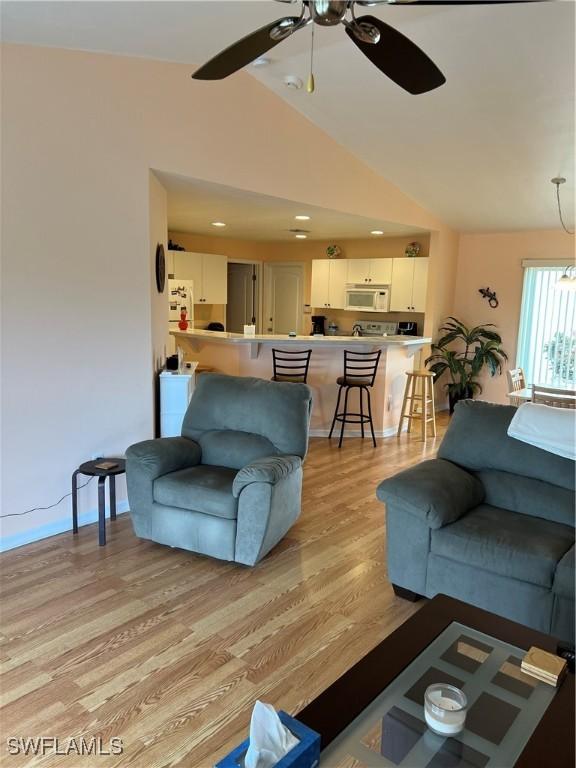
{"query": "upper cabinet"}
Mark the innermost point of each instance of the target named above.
(329, 278)
(409, 284)
(209, 272)
(375, 271)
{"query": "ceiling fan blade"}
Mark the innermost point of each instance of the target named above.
(242, 52)
(445, 2)
(399, 58)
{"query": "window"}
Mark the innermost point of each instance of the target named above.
(547, 335)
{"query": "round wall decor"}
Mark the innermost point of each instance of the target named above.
(160, 268)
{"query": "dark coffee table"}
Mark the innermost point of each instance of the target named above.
(358, 712)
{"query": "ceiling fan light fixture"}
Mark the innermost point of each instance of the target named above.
(283, 29)
(300, 237)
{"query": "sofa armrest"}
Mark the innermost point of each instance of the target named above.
(164, 455)
(270, 470)
(436, 491)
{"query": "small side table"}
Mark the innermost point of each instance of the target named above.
(90, 468)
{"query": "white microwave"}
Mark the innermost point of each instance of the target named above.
(360, 298)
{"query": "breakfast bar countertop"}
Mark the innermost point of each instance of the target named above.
(261, 338)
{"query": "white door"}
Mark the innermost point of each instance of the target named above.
(337, 284)
(319, 296)
(283, 298)
(401, 287)
(420, 285)
(214, 278)
(381, 271)
(358, 270)
(241, 305)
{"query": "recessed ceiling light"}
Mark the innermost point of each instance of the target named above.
(301, 237)
(218, 224)
(302, 217)
(376, 232)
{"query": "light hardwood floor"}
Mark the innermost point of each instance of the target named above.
(168, 650)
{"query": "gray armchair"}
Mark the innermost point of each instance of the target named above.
(490, 521)
(231, 486)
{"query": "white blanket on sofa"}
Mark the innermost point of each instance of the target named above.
(548, 428)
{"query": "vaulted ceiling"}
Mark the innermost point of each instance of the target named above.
(479, 152)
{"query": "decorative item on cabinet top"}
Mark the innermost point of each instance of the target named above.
(333, 251)
(412, 249)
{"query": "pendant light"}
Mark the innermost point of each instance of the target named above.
(557, 180)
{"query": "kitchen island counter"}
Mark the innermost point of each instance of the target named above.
(239, 355)
(239, 338)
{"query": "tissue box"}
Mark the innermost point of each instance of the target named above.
(305, 755)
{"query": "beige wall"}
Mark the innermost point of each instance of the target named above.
(495, 261)
(80, 134)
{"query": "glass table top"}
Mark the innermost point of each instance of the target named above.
(504, 708)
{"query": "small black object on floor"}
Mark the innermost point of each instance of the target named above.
(101, 468)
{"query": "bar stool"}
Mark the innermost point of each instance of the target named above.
(291, 365)
(419, 392)
(359, 371)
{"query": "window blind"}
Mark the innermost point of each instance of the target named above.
(547, 333)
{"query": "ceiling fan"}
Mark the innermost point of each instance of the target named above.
(389, 50)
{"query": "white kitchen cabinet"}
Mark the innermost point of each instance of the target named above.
(209, 272)
(328, 283)
(409, 285)
(380, 271)
(358, 270)
(420, 285)
(375, 271)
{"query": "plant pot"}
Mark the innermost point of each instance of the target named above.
(454, 397)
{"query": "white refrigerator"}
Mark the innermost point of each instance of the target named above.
(180, 296)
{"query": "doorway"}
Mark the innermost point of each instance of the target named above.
(283, 298)
(243, 293)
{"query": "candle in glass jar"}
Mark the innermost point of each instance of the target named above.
(445, 709)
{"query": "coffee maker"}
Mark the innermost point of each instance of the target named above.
(318, 325)
(407, 328)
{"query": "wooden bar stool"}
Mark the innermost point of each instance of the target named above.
(418, 402)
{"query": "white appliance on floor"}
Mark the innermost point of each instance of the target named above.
(176, 389)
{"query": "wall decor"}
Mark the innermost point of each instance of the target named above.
(333, 251)
(160, 268)
(490, 295)
(412, 249)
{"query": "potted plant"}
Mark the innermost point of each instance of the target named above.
(472, 350)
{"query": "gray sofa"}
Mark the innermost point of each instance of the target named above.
(490, 521)
(230, 486)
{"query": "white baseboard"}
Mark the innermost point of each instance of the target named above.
(57, 526)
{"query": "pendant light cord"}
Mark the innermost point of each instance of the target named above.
(564, 227)
(311, 85)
